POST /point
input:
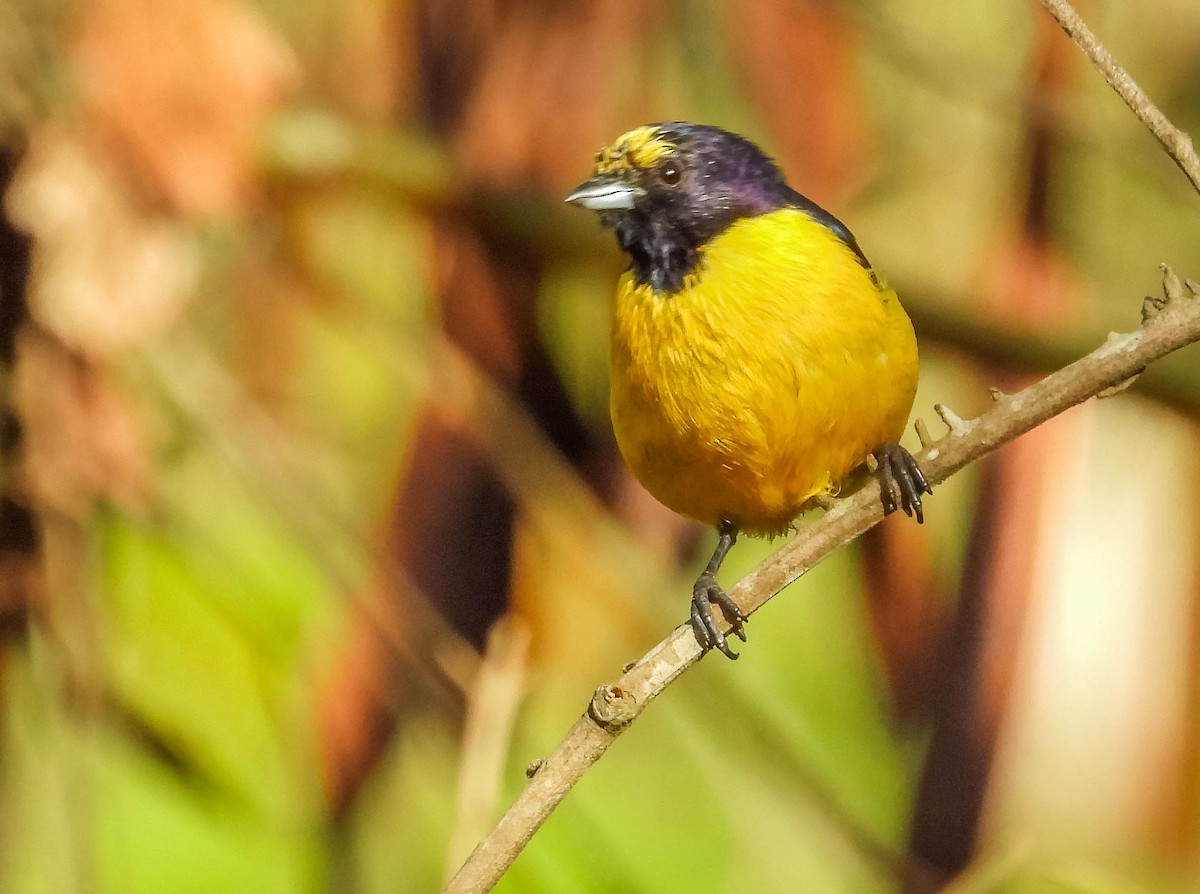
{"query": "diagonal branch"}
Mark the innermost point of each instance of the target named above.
(1168, 324)
(1177, 142)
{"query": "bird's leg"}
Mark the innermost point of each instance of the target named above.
(707, 592)
(902, 481)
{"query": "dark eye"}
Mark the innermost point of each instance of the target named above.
(669, 173)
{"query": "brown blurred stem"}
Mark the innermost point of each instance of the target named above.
(1177, 143)
(1168, 325)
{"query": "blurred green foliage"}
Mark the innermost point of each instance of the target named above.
(164, 731)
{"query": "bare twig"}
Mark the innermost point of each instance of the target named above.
(945, 320)
(1175, 323)
(1177, 143)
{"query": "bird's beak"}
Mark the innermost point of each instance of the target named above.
(605, 193)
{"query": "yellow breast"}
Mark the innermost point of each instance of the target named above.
(770, 376)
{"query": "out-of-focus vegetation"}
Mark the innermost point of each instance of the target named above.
(314, 533)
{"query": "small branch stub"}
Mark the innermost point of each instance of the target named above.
(957, 425)
(923, 434)
(1151, 306)
(1172, 284)
(612, 708)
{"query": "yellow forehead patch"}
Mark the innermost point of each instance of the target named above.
(641, 149)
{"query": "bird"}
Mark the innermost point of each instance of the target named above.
(756, 358)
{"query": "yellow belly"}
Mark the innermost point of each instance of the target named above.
(769, 377)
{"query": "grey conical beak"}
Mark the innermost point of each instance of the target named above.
(604, 193)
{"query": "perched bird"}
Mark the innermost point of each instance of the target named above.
(756, 358)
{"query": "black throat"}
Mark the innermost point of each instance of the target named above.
(662, 254)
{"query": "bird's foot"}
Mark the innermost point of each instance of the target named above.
(902, 482)
(705, 594)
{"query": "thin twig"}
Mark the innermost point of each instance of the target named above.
(1168, 325)
(1177, 143)
(945, 320)
(613, 707)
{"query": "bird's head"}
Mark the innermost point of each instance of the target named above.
(667, 189)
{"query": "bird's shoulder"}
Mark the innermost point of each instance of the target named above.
(793, 238)
(807, 206)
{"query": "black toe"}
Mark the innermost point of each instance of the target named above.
(902, 481)
(705, 594)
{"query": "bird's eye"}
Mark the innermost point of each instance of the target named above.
(669, 173)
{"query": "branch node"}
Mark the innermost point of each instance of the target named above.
(957, 425)
(997, 394)
(612, 708)
(1151, 307)
(1119, 342)
(923, 435)
(534, 765)
(1172, 285)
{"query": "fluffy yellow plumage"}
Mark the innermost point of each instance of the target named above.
(756, 358)
(776, 369)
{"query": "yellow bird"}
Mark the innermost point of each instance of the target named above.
(756, 358)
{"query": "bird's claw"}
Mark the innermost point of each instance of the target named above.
(705, 594)
(902, 482)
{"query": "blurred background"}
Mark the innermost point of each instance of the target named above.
(314, 534)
